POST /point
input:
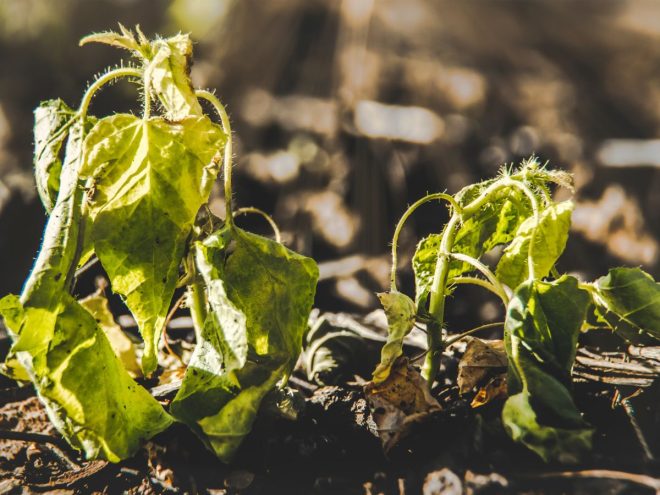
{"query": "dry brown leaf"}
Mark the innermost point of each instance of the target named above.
(483, 360)
(496, 388)
(399, 401)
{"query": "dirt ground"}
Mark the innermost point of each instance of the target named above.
(332, 445)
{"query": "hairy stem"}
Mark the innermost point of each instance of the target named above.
(481, 283)
(251, 209)
(227, 162)
(197, 304)
(102, 81)
(439, 286)
(437, 301)
(54, 269)
(399, 226)
(478, 265)
(460, 336)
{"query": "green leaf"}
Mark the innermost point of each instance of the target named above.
(564, 445)
(493, 225)
(150, 179)
(168, 73)
(541, 330)
(52, 118)
(628, 301)
(88, 394)
(549, 243)
(400, 311)
(261, 293)
(423, 262)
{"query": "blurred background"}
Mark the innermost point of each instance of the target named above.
(346, 111)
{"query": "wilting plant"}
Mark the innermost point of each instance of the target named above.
(545, 311)
(129, 190)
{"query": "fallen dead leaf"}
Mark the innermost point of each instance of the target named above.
(496, 388)
(399, 401)
(482, 361)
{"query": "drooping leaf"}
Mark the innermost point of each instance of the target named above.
(628, 301)
(166, 64)
(97, 306)
(553, 443)
(169, 74)
(261, 293)
(423, 262)
(542, 325)
(150, 179)
(398, 402)
(88, 394)
(400, 311)
(52, 118)
(549, 242)
(232, 339)
(481, 361)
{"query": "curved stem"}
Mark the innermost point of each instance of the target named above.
(266, 216)
(399, 226)
(485, 271)
(456, 338)
(482, 283)
(227, 162)
(100, 82)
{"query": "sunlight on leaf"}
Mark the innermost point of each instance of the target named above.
(260, 293)
(400, 311)
(150, 177)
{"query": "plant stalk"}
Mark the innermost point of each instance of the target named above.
(227, 160)
(399, 226)
(437, 302)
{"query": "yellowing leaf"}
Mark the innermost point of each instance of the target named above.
(122, 346)
(400, 311)
(168, 73)
(494, 224)
(51, 121)
(150, 179)
(126, 40)
(549, 242)
(482, 360)
(399, 401)
(88, 394)
(260, 295)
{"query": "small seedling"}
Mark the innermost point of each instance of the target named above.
(545, 312)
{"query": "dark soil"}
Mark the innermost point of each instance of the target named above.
(333, 448)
